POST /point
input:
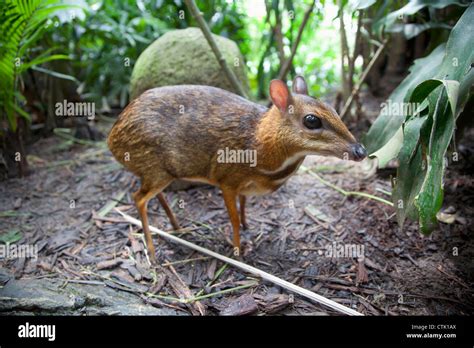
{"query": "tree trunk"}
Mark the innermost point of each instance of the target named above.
(396, 54)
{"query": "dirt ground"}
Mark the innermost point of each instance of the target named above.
(65, 208)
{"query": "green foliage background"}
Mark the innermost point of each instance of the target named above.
(99, 41)
(107, 32)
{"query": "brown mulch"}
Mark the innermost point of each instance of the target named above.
(65, 208)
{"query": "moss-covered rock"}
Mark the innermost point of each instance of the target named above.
(184, 57)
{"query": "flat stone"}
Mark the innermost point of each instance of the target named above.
(50, 297)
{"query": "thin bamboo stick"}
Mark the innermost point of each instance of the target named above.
(285, 68)
(364, 75)
(234, 81)
(264, 275)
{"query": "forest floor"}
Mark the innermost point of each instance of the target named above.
(91, 261)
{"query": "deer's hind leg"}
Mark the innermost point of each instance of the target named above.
(230, 197)
(168, 211)
(243, 219)
(141, 198)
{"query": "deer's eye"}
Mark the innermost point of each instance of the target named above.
(312, 122)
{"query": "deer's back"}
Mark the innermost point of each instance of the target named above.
(179, 129)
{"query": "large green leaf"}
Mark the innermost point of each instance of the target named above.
(390, 150)
(409, 175)
(442, 105)
(410, 30)
(457, 65)
(418, 192)
(389, 121)
(430, 198)
(411, 8)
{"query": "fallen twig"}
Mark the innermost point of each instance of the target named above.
(183, 291)
(264, 275)
(184, 261)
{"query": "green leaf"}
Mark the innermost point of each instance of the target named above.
(11, 236)
(360, 4)
(389, 121)
(410, 30)
(390, 150)
(411, 8)
(443, 103)
(430, 199)
(21, 112)
(423, 90)
(410, 175)
(21, 25)
(456, 65)
(419, 187)
(56, 74)
(42, 59)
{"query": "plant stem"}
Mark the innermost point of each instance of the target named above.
(221, 292)
(191, 5)
(355, 52)
(216, 276)
(362, 79)
(344, 192)
(344, 52)
(286, 67)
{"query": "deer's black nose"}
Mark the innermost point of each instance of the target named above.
(359, 152)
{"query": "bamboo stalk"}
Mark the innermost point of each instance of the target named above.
(286, 67)
(191, 5)
(264, 275)
(356, 51)
(344, 51)
(356, 89)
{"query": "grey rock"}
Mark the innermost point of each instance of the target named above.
(184, 57)
(50, 297)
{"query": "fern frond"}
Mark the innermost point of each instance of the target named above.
(21, 25)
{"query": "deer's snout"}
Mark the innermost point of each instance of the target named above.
(358, 152)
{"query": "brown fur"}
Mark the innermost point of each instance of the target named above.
(175, 132)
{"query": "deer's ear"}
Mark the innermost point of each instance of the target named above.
(280, 95)
(299, 85)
